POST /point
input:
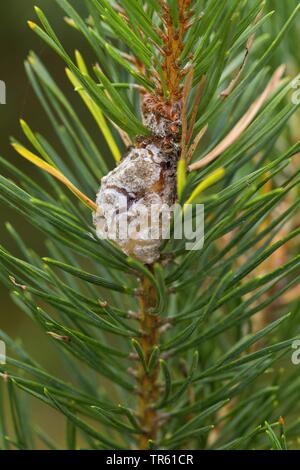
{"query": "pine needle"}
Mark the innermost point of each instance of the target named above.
(242, 125)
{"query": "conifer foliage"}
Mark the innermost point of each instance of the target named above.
(193, 350)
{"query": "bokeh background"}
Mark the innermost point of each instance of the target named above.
(16, 40)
